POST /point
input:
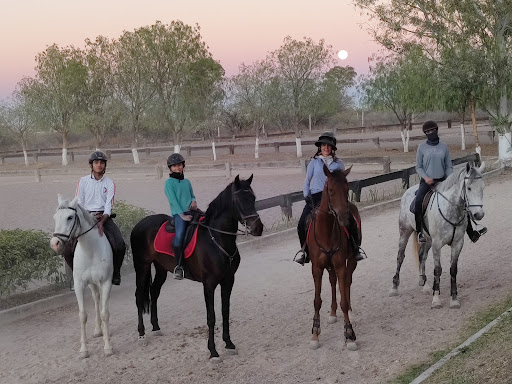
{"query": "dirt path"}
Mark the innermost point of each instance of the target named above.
(272, 308)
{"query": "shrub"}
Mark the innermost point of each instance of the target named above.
(26, 255)
(126, 217)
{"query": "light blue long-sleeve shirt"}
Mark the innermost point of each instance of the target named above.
(433, 161)
(315, 176)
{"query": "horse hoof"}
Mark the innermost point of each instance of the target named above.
(215, 360)
(84, 354)
(436, 305)
(142, 341)
(393, 292)
(231, 351)
(108, 351)
(332, 319)
(454, 304)
(351, 346)
(426, 289)
(97, 334)
(157, 333)
(314, 344)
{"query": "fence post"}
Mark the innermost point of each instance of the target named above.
(286, 207)
(36, 157)
(386, 163)
(228, 170)
(232, 149)
(376, 141)
(405, 179)
(2, 160)
(276, 147)
(356, 188)
(303, 165)
(159, 172)
(72, 156)
(148, 152)
(109, 154)
(38, 176)
(189, 150)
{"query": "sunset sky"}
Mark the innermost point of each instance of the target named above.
(235, 31)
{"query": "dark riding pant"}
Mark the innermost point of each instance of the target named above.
(115, 238)
(316, 198)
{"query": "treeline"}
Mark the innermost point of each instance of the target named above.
(162, 81)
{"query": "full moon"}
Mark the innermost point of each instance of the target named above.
(342, 54)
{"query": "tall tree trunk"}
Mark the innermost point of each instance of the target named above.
(472, 104)
(65, 144)
(135, 141)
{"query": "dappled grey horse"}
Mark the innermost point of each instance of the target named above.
(445, 222)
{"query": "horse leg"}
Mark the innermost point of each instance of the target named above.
(334, 305)
(143, 282)
(82, 314)
(344, 282)
(156, 287)
(209, 294)
(423, 259)
(317, 277)
(405, 233)
(105, 315)
(96, 298)
(454, 301)
(436, 300)
(225, 291)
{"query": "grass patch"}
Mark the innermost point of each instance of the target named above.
(487, 360)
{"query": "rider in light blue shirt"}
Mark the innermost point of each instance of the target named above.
(313, 188)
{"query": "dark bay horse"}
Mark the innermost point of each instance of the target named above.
(330, 248)
(214, 261)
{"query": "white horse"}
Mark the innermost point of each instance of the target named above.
(445, 223)
(92, 265)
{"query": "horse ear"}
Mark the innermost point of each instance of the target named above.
(347, 171)
(74, 202)
(481, 168)
(468, 167)
(60, 198)
(237, 181)
(249, 180)
(326, 170)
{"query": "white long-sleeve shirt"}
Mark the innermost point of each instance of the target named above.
(96, 195)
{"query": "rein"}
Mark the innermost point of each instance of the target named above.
(65, 238)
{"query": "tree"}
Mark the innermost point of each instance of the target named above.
(132, 80)
(58, 91)
(404, 84)
(180, 65)
(445, 24)
(19, 119)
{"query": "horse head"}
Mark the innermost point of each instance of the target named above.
(474, 191)
(336, 192)
(66, 223)
(244, 203)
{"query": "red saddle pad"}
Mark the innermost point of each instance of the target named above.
(163, 242)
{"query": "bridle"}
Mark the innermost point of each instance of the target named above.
(76, 223)
(243, 221)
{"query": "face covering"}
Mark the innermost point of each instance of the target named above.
(433, 138)
(177, 175)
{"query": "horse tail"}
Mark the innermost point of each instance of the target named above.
(416, 251)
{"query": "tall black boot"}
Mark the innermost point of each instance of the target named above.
(418, 218)
(179, 273)
(116, 276)
(353, 231)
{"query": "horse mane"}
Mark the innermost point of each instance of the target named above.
(450, 181)
(220, 204)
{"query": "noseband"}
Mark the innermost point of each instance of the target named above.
(65, 238)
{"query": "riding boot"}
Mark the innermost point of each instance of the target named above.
(474, 235)
(302, 256)
(116, 276)
(179, 273)
(353, 231)
(418, 218)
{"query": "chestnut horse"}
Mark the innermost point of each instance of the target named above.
(330, 248)
(213, 262)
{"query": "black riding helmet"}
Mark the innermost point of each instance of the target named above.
(327, 138)
(174, 159)
(427, 125)
(97, 155)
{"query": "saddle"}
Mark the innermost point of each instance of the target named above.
(425, 203)
(165, 236)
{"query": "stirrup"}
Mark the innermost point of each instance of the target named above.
(361, 254)
(300, 257)
(482, 231)
(178, 272)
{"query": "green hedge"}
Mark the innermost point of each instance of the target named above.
(126, 217)
(25, 255)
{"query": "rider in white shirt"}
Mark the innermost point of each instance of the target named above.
(96, 194)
